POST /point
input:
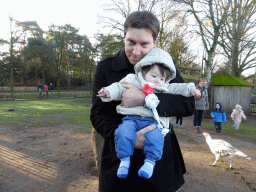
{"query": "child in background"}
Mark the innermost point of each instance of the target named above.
(218, 116)
(237, 115)
(46, 90)
(179, 118)
(40, 92)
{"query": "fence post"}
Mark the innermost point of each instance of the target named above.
(97, 145)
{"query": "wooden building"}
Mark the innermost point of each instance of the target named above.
(230, 90)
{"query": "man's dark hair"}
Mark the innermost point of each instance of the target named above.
(143, 20)
(163, 70)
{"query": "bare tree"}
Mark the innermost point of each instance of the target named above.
(179, 48)
(238, 37)
(210, 15)
(172, 21)
(121, 9)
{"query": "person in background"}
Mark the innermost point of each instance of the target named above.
(40, 92)
(51, 89)
(141, 29)
(46, 89)
(237, 115)
(201, 105)
(218, 116)
(179, 118)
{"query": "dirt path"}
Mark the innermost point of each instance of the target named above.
(60, 159)
(47, 159)
(201, 176)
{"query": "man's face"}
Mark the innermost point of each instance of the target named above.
(138, 42)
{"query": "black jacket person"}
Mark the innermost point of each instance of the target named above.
(168, 173)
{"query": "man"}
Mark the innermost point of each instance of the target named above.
(141, 29)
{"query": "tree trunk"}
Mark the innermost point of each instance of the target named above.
(210, 99)
(208, 77)
(11, 67)
(43, 72)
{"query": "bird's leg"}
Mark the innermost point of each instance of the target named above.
(216, 159)
(230, 163)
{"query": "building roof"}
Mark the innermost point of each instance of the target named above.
(223, 78)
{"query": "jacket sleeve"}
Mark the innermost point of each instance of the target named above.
(103, 116)
(175, 105)
(207, 102)
(181, 88)
(115, 91)
(224, 117)
(232, 114)
(243, 116)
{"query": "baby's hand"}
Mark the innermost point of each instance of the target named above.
(103, 93)
(213, 116)
(195, 92)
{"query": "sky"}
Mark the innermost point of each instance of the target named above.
(81, 14)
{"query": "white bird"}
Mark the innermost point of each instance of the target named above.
(221, 148)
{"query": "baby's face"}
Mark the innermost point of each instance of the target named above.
(238, 108)
(217, 106)
(154, 76)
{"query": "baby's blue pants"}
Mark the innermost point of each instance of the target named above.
(125, 136)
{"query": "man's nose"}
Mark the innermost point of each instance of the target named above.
(137, 50)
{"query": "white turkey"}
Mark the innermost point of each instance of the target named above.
(221, 148)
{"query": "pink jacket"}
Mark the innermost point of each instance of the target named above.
(238, 116)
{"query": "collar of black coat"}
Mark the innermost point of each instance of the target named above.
(121, 62)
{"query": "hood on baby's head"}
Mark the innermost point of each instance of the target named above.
(160, 56)
(238, 106)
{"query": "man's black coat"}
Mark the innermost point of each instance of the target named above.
(168, 172)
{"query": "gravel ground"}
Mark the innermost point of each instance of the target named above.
(60, 159)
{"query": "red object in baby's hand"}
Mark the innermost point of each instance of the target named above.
(147, 89)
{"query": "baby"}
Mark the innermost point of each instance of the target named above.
(152, 74)
(237, 115)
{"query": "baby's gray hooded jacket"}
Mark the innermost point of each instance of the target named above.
(156, 55)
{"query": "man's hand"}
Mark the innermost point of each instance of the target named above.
(133, 96)
(140, 136)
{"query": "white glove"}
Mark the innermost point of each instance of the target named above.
(165, 131)
(151, 101)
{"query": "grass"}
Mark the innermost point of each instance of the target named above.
(246, 131)
(24, 114)
(35, 95)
